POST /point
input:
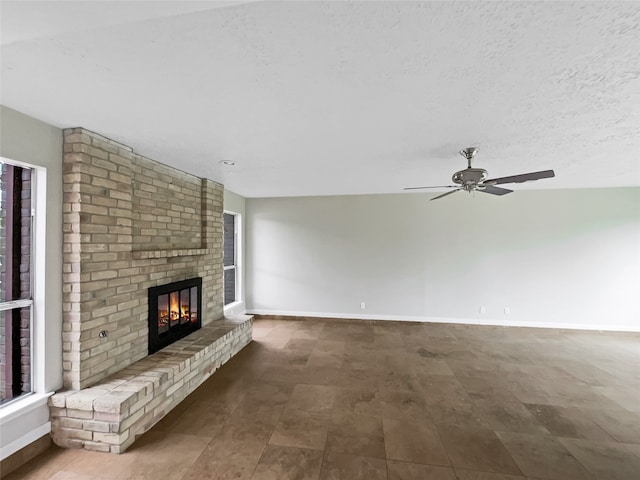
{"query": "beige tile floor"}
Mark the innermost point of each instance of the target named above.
(312, 399)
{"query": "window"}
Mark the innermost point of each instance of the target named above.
(16, 316)
(230, 257)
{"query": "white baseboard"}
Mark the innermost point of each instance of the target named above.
(465, 321)
(25, 440)
(17, 422)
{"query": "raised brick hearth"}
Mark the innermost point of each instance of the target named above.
(131, 223)
(108, 416)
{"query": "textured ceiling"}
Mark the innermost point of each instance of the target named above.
(321, 98)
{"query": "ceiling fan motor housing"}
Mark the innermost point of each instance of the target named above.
(469, 177)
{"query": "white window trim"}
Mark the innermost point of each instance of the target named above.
(238, 304)
(38, 341)
(21, 420)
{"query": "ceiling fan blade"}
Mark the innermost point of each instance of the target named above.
(494, 190)
(524, 177)
(440, 186)
(445, 194)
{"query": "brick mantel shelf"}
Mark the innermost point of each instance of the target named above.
(144, 254)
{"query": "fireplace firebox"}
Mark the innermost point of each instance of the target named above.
(174, 312)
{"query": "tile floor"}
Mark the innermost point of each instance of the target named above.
(311, 399)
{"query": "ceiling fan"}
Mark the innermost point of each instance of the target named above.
(475, 179)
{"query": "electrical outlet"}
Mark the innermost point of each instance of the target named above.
(362, 305)
(483, 309)
(507, 310)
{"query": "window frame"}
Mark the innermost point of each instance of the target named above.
(237, 261)
(37, 283)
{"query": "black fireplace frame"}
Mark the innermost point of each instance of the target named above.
(158, 341)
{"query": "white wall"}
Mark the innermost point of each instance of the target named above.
(28, 140)
(237, 204)
(555, 258)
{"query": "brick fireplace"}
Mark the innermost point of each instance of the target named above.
(174, 312)
(130, 225)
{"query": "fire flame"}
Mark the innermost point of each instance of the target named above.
(173, 307)
(177, 310)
